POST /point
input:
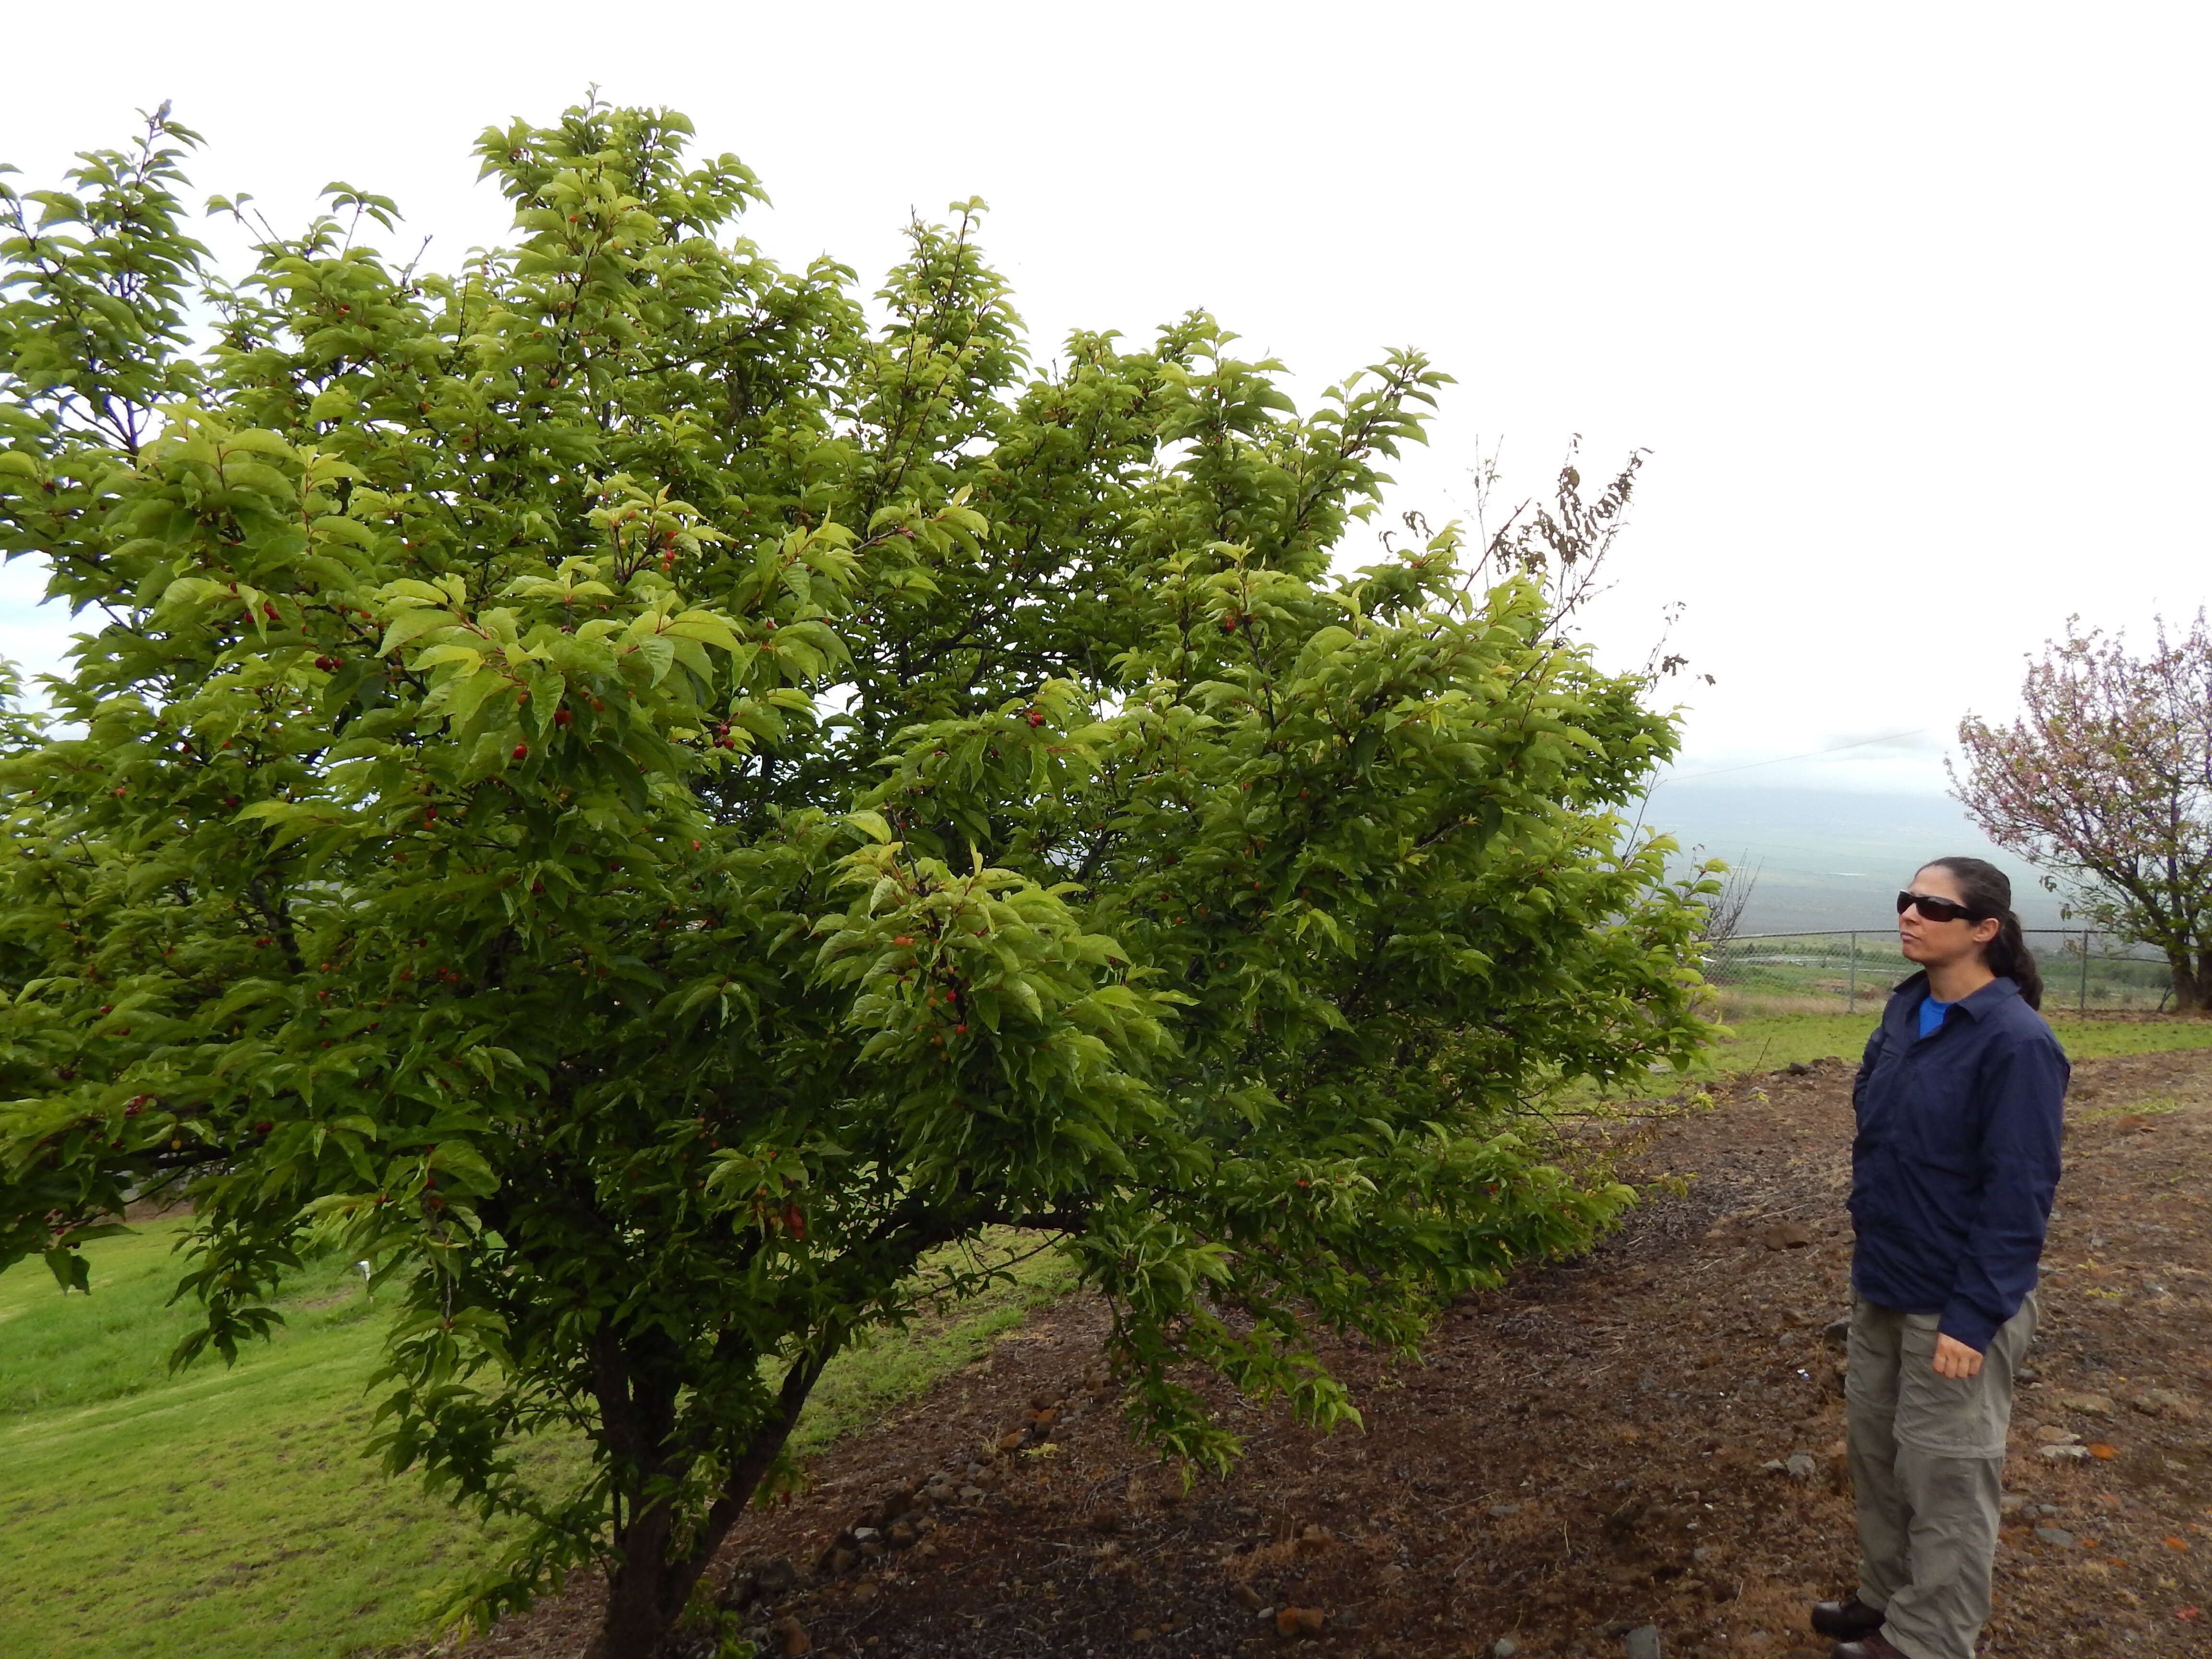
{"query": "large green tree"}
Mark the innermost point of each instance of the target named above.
(651, 799)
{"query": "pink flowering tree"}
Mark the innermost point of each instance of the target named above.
(2105, 783)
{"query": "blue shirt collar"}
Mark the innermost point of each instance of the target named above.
(2001, 989)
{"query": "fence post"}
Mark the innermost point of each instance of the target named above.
(1851, 1002)
(2083, 1006)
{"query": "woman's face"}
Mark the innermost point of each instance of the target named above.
(1939, 944)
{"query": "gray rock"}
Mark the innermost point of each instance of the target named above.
(2157, 1402)
(1801, 1466)
(1503, 1648)
(2058, 1535)
(1838, 1333)
(2012, 1502)
(776, 1577)
(1643, 1642)
(2066, 1454)
(1500, 1511)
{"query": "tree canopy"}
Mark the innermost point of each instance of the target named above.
(655, 797)
(2105, 780)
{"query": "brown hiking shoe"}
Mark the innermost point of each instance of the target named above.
(1846, 1620)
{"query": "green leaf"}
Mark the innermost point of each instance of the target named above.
(411, 625)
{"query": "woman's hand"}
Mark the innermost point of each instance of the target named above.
(1953, 1358)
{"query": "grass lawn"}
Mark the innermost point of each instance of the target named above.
(1763, 1042)
(230, 1511)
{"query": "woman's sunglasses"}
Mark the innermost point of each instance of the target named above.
(1936, 910)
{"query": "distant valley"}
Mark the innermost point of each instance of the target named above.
(1832, 859)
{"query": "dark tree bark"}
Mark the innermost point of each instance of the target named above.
(649, 1585)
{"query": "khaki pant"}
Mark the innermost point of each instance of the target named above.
(1927, 1461)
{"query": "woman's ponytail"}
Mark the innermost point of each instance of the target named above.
(1987, 891)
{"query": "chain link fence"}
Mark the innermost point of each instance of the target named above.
(1838, 970)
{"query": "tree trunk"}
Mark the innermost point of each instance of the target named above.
(646, 1596)
(2192, 982)
(646, 1591)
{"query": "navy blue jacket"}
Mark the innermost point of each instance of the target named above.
(1956, 1157)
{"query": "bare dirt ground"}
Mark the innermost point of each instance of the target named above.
(1604, 1445)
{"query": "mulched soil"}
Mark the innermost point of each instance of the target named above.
(1603, 1445)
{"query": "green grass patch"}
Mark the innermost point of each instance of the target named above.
(230, 1511)
(1766, 1042)
(2148, 1106)
(885, 1368)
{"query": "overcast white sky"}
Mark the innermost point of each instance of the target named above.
(1907, 302)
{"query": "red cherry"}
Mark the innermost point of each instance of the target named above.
(326, 664)
(264, 1127)
(960, 1030)
(562, 717)
(521, 752)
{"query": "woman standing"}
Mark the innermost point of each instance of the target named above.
(1952, 1171)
